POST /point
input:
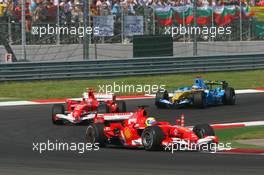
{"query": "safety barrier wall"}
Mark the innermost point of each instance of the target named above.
(74, 52)
(127, 67)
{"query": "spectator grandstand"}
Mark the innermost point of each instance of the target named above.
(72, 10)
(70, 13)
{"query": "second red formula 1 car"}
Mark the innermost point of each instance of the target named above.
(81, 110)
(139, 130)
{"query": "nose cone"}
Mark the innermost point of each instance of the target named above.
(76, 114)
(194, 137)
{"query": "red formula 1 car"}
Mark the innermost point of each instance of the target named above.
(81, 110)
(139, 130)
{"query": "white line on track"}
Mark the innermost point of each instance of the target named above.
(19, 103)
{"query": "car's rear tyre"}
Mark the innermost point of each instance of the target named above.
(95, 134)
(160, 95)
(199, 100)
(121, 106)
(230, 97)
(152, 137)
(57, 109)
(203, 130)
(103, 108)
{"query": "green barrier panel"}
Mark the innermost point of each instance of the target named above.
(152, 46)
(259, 29)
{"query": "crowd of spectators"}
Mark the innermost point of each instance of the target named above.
(71, 11)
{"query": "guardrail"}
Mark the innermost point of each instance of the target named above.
(127, 67)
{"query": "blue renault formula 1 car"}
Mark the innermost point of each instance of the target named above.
(203, 93)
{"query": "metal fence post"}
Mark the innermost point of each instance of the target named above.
(58, 22)
(195, 25)
(9, 30)
(85, 38)
(154, 24)
(95, 48)
(23, 30)
(240, 22)
(249, 29)
(122, 25)
(211, 38)
(89, 19)
(146, 20)
(184, 25)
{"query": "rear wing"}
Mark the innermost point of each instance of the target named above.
(99, 96)
(216, 82)
(181, 90)
(104, 96)
(115, 116)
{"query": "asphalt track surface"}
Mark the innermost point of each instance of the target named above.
(23, 125)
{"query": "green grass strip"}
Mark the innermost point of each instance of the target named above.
(241, 133)
(73, 88)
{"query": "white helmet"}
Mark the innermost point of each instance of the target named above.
(85, 96)
(195, 87)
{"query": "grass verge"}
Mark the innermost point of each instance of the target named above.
(241, 133)
(73, 88)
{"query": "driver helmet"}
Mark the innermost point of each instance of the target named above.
(195, 87)
(150, 121)
(85, 96)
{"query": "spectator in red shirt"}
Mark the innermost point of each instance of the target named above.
(18, 13)
(52, 11)
(260, 3)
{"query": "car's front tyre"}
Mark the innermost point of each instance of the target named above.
(57, 109)
(152, 137)
(203, 130)
(199, 100)
(95, 134)
(161, 95)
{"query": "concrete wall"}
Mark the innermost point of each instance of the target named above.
(110, 51)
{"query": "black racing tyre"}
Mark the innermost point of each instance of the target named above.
(203, 130)
(230, 97)
(95, 134)
(199, 100)
(121, 106)
(57, 109)
(152, 137)
(103, 108)
(159, 96)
